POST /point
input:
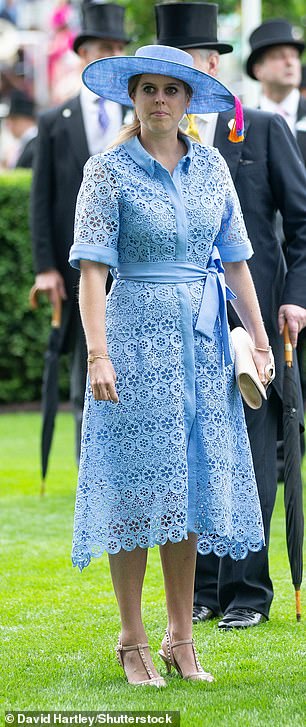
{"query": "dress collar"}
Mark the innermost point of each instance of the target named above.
(147, 162)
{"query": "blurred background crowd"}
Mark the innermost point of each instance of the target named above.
(38, 67)
(37, 58)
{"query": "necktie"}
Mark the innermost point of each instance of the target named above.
(103, 115)
(192, 128)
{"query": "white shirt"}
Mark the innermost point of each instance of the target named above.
(28, 135)
(206, 125)
(97, 139)
(287, 108)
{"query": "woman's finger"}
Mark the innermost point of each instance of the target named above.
(100, 392)
(113, 393)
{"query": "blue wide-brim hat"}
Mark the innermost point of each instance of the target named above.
(109, 77)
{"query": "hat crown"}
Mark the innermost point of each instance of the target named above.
(21, 104)
(272, 31)
(103, 17)
(191, 19)
(165, 53)
(101, 21)
(189, 25)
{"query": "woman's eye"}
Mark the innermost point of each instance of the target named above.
(148, 89)
(171, 90)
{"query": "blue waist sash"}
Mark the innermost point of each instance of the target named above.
(214, 296)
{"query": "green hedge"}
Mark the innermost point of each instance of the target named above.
(23, 332)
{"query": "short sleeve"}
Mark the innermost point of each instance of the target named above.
(232, 240)
(96, 227)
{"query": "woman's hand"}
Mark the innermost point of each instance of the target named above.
(102, 377)
(264, 362)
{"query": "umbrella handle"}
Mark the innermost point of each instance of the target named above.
(288, 349)
(57, 313)
(298, 606)
(56, 307)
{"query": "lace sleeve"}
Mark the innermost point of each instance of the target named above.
(232, 239)
(96, 226)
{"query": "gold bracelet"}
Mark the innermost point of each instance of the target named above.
(264, 350)
(92, 358)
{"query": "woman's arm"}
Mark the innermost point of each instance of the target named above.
(238, 277)
(92, 306)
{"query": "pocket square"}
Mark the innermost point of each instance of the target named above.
(246, 161)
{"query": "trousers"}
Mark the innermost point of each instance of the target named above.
(223, 584)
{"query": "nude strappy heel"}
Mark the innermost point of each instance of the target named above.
(152, 681)
(169, 659)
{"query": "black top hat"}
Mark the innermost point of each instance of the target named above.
(267, 35)
(21, 105)
(101, 21)
(189, 25)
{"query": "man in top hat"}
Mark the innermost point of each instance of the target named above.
(275, 62)
(67, 136)
(265, 180)
(21, 122)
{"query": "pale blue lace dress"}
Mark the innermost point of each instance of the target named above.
(173, 456)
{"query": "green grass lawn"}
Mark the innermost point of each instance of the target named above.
(59, 627)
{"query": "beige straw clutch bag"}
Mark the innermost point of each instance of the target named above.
(250, 386)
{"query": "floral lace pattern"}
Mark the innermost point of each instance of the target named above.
(173, 456)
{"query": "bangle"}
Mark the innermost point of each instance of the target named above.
(92, 358)
(264, 350)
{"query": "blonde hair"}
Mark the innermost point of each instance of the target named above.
(128, 131)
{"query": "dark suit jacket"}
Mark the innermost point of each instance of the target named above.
(301, 135)
(61, 153)
(25, 160)
(269, 175)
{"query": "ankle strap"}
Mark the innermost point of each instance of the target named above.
(180, 643)
(133, 647)
(176, 643)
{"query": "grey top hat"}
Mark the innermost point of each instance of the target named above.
(103, 21)
(189, 25)
(267, 35)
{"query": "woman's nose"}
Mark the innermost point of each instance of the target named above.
(159, 97)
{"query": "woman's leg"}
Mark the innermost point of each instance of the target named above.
(128, 571)
(178, 563)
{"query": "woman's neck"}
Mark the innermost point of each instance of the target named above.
(167, 149)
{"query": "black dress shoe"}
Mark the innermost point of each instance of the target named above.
(202, 613)
(241, 618)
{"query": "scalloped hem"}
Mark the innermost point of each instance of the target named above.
(217, 545)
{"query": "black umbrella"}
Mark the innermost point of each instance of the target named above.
(50, 383)
(293, 487)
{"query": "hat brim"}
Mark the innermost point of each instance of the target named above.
(84, 37)
(109, 77)
(265, 45)
(222, 48)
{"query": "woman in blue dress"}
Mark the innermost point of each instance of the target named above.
(165, 455)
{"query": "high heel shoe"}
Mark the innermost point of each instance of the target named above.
(169, 659)
(152, 681)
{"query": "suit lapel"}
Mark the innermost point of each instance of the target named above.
(301, 135)
(229, 150)
(73, 120)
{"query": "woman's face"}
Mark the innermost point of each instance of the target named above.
(160, 102)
